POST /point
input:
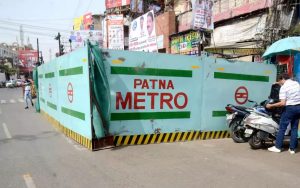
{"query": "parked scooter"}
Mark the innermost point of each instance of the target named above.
(235, 117)
(262, 127)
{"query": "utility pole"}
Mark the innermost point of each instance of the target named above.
(38, 50)
(42, 59)
(59, 45)
(22, 36)
(200, 45)
(70, 41)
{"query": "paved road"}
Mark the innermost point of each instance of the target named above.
(34, 154)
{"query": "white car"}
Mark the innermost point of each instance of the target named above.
(10, 84)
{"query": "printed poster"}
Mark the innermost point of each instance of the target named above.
(203, 15)
(79, 38)
(142, 34)
(115, 31)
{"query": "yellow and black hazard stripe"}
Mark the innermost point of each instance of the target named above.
(68, 132)
(123, 140)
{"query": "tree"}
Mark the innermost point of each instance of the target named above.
(8, 71)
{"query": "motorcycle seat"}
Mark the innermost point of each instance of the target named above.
(242, 108)
(261, 113)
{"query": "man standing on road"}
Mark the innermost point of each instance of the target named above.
(289, 96)
(27, 91)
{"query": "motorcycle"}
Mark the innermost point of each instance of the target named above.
(234, 119)
(262, 127)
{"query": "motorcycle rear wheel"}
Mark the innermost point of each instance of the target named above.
(255, 142)
(237, 131)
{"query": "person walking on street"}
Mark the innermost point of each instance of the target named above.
(289, 96)
(27, 91)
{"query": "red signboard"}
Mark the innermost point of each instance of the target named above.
(27, 60)
(116, 3)
(87, 21)
(288, 61)
(246, 7)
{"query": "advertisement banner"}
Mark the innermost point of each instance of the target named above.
(142, 34)
(78, 23)
(87, 21)
(116, 3)
(79, 38)
(185, 44)
(27, 60)
(115, 31)
(203, 15)
(136, 6)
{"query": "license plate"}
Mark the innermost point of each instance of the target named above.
(248, 131)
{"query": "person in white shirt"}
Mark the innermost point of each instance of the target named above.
(27, 91)
(289, 96)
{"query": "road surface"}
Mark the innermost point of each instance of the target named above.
(34, 154)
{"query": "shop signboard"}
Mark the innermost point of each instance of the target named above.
(203, 15)
(78, 23)
(27, 60)
(87, 21)
(142, 34)
(116, 3)
(115, 31)
(185, 44)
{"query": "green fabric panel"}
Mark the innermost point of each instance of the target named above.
(97, 121)
(73, 113)
(100, 89)
(36, 85)
(247, 77)
(151, 72)
(149, 115)
(71, 71)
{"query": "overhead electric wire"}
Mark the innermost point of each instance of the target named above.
(31, 32)
(25, 20)
(89, 5)
(75, 12)
(35, 26)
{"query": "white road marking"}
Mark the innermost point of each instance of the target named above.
(79, 147)
(29, 181)
(75, 144)
(3, 101)
(12, 101)
(6, 131)
(21, 100)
